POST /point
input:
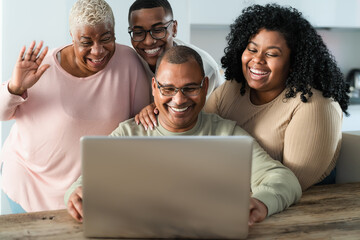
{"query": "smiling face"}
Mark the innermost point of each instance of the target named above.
(179, 113)
(266, 64)
(150, 49)
(93, 48)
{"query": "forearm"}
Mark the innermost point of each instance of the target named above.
(272, 183)
(72, 188)
(278, 191)
(8, 103)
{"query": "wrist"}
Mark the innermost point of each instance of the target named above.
(18, 92)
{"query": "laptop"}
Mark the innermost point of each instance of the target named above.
(166, 187)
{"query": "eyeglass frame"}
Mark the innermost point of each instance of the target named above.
(131, 30)
(159, 86)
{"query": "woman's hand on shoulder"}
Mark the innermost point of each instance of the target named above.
(27, 70)
(147, 116)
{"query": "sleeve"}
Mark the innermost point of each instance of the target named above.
(118, 132)
(212, 104)
(312, 140)
(72, 188)
(215, 78)
(141, 90)
(8, 102)
(271, 182)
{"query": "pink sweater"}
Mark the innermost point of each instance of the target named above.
(41, 156)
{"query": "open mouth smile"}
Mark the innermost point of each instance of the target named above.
(97, 62)
(258, 74)
(153, 51)
(179, 109)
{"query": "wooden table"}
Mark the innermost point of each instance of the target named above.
(324, 212)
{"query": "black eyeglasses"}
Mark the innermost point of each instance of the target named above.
(157, 33)
(189, 91)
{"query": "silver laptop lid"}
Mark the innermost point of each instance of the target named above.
(166, 187)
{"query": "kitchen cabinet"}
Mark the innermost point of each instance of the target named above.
(321, 13)
(330, 13)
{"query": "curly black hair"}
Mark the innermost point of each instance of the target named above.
(311, 63)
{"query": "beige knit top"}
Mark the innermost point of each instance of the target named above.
(305, 137)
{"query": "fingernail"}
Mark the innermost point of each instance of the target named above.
(155, 124)
(151, 128)
(146, 128)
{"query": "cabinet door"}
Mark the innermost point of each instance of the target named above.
(320, 13)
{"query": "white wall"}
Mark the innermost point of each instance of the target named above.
(352, 123)
(343, 44)
(321, 13)
(211, 38)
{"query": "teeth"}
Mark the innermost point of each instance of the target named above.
(179, 109)
(258, 71)
(98, 60)
(152, 51)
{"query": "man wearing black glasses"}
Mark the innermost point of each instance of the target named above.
(153, 30)
(179, 89)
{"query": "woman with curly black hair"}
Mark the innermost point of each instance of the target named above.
(285, 88)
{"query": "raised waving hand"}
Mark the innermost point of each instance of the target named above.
(27, 70)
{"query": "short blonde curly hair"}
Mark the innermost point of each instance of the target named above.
(90, 12)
